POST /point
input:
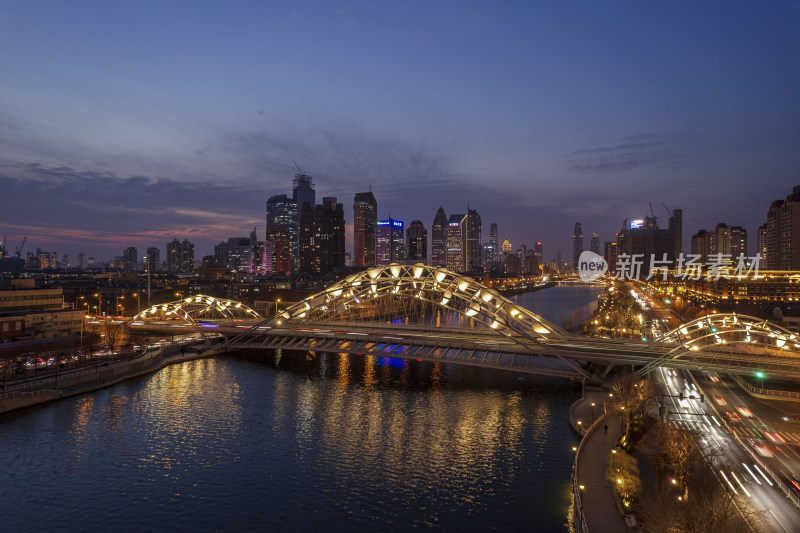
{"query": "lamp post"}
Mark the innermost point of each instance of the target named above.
(592, 412)
(116, 311)
(277, 301)
(138, 303)
(99, 304)
(613, 458)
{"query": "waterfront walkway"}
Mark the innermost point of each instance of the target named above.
(600, 508)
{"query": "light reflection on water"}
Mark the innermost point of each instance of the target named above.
(295, 441)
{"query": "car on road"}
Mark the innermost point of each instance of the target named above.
(719, 400)
(733, 417)
(744, 411)
(774, 437)
(760, 448)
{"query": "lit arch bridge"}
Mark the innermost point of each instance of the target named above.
(432, 314)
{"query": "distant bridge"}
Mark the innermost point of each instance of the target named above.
(433, 314)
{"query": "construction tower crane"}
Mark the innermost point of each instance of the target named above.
(18, 251)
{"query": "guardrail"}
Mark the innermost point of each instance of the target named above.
(577, 495)
(29, 394)
(791, 395)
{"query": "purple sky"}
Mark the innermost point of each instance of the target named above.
(132, 123)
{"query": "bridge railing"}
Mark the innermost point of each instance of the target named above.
(791, 395)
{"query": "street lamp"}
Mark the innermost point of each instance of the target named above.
(592, 412)
(613, 457)
(761, 375)
(277, 301)
(99, 304)
(138, 303)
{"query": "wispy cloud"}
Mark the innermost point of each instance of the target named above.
(637, 151)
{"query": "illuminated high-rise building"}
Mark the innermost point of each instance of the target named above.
(471, 240)
(782, 233)
(302, 194)
(537, 249)
(180, 256)
(577, 244)
(282, 212)
(389, 242)
(130, 258)
(439, 239)
(495, 250)
(322, 236)
(281, 249)
(594, 243)
(153, 260)
(454, 258)
(365, 218)
(417, 242)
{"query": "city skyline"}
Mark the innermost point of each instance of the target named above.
(538, 116)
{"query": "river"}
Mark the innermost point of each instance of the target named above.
(301, 442)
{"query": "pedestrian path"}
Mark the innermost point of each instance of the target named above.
(599, 505)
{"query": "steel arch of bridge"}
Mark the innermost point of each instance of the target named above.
(439, 286)
(199, 307)
(721, 329)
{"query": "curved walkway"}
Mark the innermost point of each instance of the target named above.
(600, 509)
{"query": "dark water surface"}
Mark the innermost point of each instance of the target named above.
(300, 442)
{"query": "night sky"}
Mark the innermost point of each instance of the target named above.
(133, 123)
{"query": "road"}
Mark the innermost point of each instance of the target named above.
(743, 476)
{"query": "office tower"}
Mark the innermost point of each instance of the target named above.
(610, 255)
(644, 239)
(577, 244)
(153, 261)
(281, 249)
(417, 241)
(322, 236)
(782, 233)
(729, 240)
(130, 259)
(676, 225)
(365, 218)
(594, 243)
(389, 246)
(493, 242)
(471, 240)
(263, 258)
(335, 229)
(439, 239)
(701, 245)
(282, 212)
(302, 194)
(762, 241)
(239, 255)
(537, 249)
(180, 256)
(81, 260)
(454, 257)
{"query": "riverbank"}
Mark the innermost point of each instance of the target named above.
(527, 288)
(100, 377)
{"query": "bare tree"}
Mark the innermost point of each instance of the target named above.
(676, 452)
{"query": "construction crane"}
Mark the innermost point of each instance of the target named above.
(300, 170)
(652, 213)
(669, 211)
(18, 251)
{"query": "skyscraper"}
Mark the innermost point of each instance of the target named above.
(389, 242)
(282, 213)
(417, 241)
(153, 264)
(577, 244)
(537, 249)
(365, 218)
(439, 239)
(302, 193)
(322, 236)
(782, 233)
(180, 256)
(131, 259)
(471, 240)
(454, 259)
(594, 243)
(676, 225)
(281, 249)
(493, 242)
